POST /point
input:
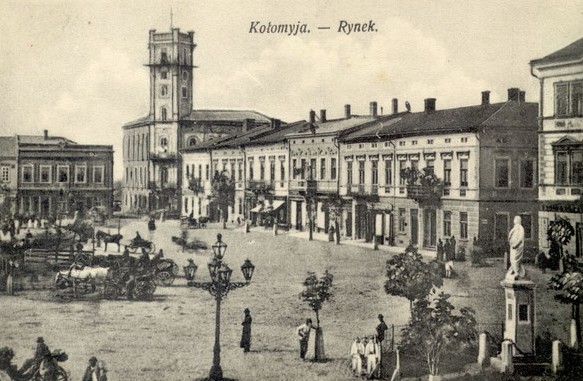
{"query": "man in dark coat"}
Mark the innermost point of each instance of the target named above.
(91, 370)
(440, 250)
(246, 335)
(447, 250)
(453, 253)
(381, 328)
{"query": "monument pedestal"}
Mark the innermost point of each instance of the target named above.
(519, 323)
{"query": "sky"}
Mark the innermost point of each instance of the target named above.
(76, 68)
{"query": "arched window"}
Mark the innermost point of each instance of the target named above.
(192, 141)
(185, 75)
(163, 142)
(164, 113)
(164, 175)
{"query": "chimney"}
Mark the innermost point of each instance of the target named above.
(347, 111)
(373, 108)
(513, 93)
(312, 116)
(521, 96)
(395, 103)
(429, 105)
(323, 116)
(248, 125)
(485, 98)
(46, 134)
(277, 124)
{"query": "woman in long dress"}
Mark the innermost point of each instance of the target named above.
(246, 335)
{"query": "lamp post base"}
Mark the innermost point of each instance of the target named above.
(216, 373)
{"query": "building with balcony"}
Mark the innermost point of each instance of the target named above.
(152, 167)
(463, 172)
(560, 141)
(56, 176)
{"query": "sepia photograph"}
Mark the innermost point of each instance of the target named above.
(291, 190)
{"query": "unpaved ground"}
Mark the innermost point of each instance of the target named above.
(171, 337)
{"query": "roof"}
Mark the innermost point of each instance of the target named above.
(210, 115)
(570, 52)
(279, 134)
(7, 146)
(41, 140)
(463, 119)
(333, 126)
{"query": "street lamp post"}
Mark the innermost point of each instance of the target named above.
(219, 286)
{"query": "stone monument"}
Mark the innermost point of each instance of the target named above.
(519, 293)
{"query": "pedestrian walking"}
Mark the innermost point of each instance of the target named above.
(356, 353)
(246, 334)
(381, 328)
(439, 250)
(91, 372)
(370, 351)
(303, 332)
(452, 241)
(447, 250)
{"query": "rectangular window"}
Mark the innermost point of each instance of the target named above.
(98, 177)
(63, 173)
(415, 164)
(303, 169)
(402, 166)
(27, 173)
(207, 171)
(502, 173)
(349, 173)
(561, 168)
(388, 172)
(447, 172)
(5, 174)
(322, 169)
(402, 219)
(577, 167)
(527, 225)
(233, 171)
(361, 172)
(527, 174)
(282, 170)
(261, 169)
(272, 170)
(577, 99)
(251, 174)
(463, 225)
(164, 90)
(569, 99)
(164, 74)
(375, 172)
(312, 169)
(446, 223)
(184, 92)
(294, 168)
(239, 171)
(430, 167)
(464, 172)
(333, 169)
(80, 174)
(45, 174)
(523, 313)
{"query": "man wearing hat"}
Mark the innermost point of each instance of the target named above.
(246, 335)
(42, 352)
(381, 328)
(91, 373)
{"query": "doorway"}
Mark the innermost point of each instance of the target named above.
(415, 226)
(429, 228)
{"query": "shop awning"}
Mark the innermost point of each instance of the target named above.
(277, 204)
(257, 209)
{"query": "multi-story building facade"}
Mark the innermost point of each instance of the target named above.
(484, 157)
(56, 176)
(560, 141)
(8, 175)
(152, 177)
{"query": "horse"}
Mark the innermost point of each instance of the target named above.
(109, 238)
(85, 275)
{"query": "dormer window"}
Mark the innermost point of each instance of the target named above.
(192, 141)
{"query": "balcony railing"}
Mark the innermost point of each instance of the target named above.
(260, 185)
(424, 192)
(308, 186)
(161, 156)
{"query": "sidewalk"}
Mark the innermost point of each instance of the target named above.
(428, 254)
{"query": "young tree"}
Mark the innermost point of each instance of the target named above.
(316, 292)
(333, 206)
(223, 191)
(411, 277)
(569, 283)
(433, 329)
(559, 233)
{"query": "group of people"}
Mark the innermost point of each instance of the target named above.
(95, 371)
(446, 251)
(368, 350)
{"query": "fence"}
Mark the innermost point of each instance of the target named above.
(51, 256)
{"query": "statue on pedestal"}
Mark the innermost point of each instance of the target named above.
(516, 241)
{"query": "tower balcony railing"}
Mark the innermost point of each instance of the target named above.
(163, 156)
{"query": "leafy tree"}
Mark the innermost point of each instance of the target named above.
(411, 277)
(569, 283)
(559, 233)
(433, 329)
(223, 192)
(333, 206)
(316, 292)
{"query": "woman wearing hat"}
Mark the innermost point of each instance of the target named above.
(246, 335)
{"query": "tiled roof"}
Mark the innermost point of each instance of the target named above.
(40, 140)
(333, 126)
(7, 146)
(226, 115)
(569, 52)
(211, 115)
(279, 134)
(462, 119)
